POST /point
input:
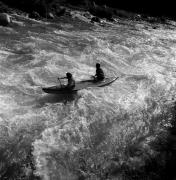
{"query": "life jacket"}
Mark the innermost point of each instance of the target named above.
(99, 74)
(71, 83)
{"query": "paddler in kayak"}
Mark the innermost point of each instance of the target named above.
(99, 76)
(71, 82)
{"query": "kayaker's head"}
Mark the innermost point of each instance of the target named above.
(98, 65)
(69, 75)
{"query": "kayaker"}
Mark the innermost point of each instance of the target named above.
(99, 76)
(71, 81)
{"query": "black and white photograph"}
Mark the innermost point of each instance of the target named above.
(87, 90)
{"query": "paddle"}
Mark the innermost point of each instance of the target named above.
(60, 81)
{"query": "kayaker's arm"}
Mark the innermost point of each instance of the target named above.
(62, 78)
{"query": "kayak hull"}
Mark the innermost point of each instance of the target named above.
(79, 85)
(57, 90)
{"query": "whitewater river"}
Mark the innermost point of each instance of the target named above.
(66, 137)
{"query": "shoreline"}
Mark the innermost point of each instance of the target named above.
(99, 12)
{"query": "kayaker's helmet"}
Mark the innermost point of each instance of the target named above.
(98, 65)
(69, 75)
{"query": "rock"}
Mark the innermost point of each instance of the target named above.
(60, 11)
(5, 19)
(50, 15)
(34, 15)
(123, 14)
(137, 17)
(152, 19)
(95, 19)
(87, 15)
(101, 11)
(18, 23)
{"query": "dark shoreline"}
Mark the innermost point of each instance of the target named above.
(103, 9)
(148, 8)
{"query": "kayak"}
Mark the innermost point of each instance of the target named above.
(79, 85)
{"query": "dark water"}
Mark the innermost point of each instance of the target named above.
(70, 135)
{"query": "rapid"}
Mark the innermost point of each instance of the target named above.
(89, 133)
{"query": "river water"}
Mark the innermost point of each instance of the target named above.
(69, 136)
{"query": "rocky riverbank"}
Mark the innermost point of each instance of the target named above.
(92, 11)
